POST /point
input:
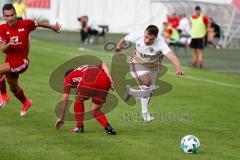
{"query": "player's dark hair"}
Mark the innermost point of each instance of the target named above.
(152, 30)
(8, 7)
(68, 71)
(197, 8)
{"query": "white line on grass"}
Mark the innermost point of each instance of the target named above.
(208, 81)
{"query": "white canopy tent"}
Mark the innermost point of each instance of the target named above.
(123, 16)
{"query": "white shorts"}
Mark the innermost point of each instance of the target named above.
(138, 70)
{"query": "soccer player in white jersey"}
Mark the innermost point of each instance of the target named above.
(145, 63)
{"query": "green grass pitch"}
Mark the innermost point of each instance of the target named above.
(204, 103)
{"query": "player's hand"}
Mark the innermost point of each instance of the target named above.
(57, 27)
(59, 123)
(112, 86)
(180, 73)
(118, 49)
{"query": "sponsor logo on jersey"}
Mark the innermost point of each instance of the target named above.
(77, 79)
(151, 49)
(21, 30)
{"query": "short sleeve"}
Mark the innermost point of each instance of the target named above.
(2, 36)
(163, 46)
(205, 20)
(32, 25)
(133, 37)
(68, 83)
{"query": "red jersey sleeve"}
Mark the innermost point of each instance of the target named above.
(205, 20)
(68, 83)
(2, 35)
(32, 25)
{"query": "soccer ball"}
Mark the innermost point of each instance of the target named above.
(190, 144)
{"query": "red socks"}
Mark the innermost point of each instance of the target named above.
(100, 117)
(79, 113)
(20, 95)
(2, 85)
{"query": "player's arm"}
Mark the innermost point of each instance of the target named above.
(106, 69)
(55, 28)
(173, 58)
(64, 102)
(130, 38)
(120, 46)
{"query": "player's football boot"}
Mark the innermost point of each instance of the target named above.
(3, 100)
(78, 130)
(147, 117)
(26, 105)
(110, 130)
(127, 96)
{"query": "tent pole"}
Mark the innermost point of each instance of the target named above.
(227, 35)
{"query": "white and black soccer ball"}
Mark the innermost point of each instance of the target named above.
(190, 144)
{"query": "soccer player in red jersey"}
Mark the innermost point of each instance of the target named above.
(14, 42)
(90, 82)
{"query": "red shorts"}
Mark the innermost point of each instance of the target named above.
(20, 68)
(97, 88)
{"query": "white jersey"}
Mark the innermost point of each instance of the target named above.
(147, 55)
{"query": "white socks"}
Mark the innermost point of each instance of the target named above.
(144, 94)
(145, 99)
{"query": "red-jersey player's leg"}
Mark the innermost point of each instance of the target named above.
(102, 84)
(4, 68)
(18, 92)
(3, 85)
(98, 114)
(79, 112)
(4, 96)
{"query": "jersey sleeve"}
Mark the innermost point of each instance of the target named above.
(133, 37)
(32, 25)
(164, 47)
(68, 83)
(205, 20)
(2, 36)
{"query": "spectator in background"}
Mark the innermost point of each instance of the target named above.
(184, 26)
(170, 34)
(20, 8)
(173, 20)
(88, 29)
(173, 37)
(198, 32)
(214, 33)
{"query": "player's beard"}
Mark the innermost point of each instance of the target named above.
(12, 22)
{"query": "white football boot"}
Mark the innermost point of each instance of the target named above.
(147, 117)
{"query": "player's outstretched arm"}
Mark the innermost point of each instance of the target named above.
(173, 58)
(55, 28)
(64, 102)
(121, 44)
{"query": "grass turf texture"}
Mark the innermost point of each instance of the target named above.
(204, 103)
